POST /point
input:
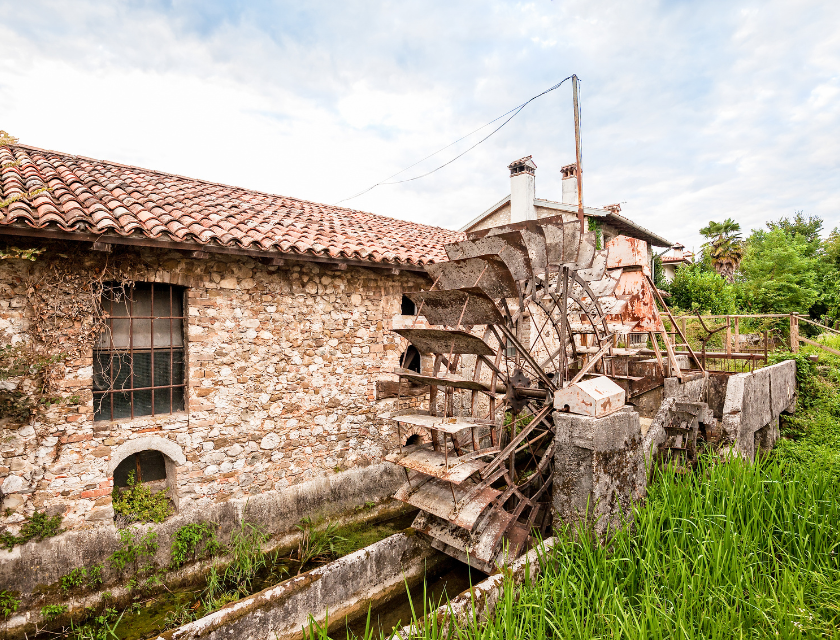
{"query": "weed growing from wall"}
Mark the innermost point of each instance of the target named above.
(136, 552)
(137, 503)
(193, 541)
(40, 526)
(81, 577)
(52, 611)
(9, 603)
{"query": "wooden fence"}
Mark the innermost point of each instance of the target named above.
(737, 354)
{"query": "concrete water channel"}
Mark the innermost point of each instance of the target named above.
(382, 586)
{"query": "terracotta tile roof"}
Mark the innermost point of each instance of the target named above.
(99, 197)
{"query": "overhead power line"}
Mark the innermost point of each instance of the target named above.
(512, 113)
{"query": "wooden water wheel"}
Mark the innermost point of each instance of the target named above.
(511, 317)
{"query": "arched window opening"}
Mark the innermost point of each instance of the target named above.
(411, 359)
(407, 307)
(147, 466)
(413, 439)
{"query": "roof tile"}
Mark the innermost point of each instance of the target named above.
(95, 196)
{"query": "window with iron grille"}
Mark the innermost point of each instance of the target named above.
(138, 362)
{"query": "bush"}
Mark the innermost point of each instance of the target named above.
(139, 504)
(698, 290)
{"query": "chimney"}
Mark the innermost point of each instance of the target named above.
(570, 194)
(522, 190)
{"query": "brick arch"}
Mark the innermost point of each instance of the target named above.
(168, 448)
(173, 458)
(406, 432)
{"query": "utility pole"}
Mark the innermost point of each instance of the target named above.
(577, 152)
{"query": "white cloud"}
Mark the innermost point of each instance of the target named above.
(691, 111)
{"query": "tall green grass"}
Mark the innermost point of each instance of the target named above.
(734, 550)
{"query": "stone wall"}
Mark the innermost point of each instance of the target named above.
(282, 365)
(599, 470)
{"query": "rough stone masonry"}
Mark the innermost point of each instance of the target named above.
(282, 363)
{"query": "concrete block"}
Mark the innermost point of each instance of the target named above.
(782, 386)
(597, 396)
(756, 410)
(691, 390)
(752, 406)
(599, 470)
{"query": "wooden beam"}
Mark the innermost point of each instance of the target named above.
(794, 333)
(728, 334)
(820, 345)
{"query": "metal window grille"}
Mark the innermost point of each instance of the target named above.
(138, 362)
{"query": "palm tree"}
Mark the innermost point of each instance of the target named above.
(724, 246)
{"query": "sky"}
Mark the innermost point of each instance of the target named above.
(691, 111)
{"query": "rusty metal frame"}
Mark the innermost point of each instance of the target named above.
(113, 352)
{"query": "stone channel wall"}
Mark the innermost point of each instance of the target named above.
(282, 364)
(343, 589)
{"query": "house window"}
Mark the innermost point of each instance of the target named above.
(138, 362)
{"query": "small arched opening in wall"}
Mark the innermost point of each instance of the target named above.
(407, 306)
(410, 359)
(412, 436)
(153, 460)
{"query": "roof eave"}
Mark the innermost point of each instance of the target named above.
(152, 243)
(623, 224)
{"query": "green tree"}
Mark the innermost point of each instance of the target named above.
(829, 306)
(809, 228)
(779, 273)
(699, 290)
(724, 246)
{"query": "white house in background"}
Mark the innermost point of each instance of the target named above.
(523, 205)
(673, 259)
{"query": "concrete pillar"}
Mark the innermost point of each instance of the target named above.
(599, 470)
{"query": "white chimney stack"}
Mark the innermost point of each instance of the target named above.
(522, 190)
(570, 194)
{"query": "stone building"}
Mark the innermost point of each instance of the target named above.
(223, 342)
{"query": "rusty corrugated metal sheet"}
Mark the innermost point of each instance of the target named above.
(640, 314)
